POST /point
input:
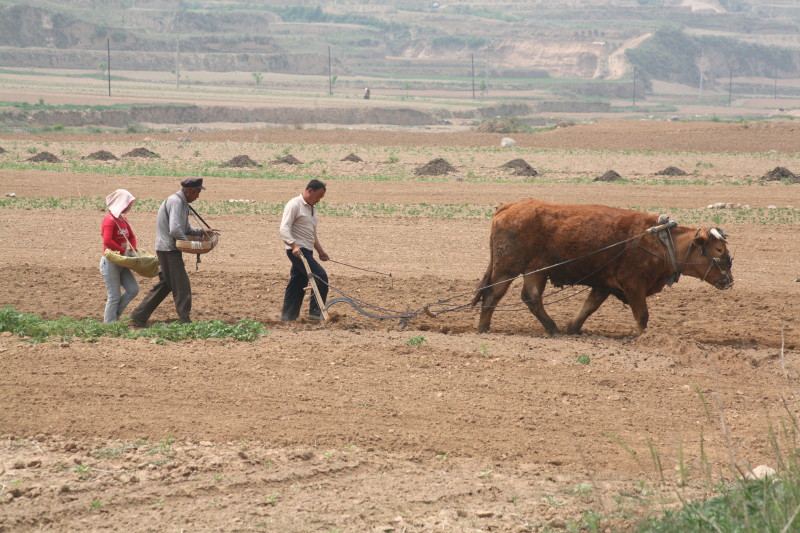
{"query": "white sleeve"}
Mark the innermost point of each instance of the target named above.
(289, 214)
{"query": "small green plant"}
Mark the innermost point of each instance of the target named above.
(484, 350)
(32, 150)
(583, 359)
(83, 471)
(485, 475)
(163, 448)
(95, 505)
(419, 340)
(393, 159)
(584, 490)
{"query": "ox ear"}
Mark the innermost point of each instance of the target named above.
(719, 234)
(700, 240)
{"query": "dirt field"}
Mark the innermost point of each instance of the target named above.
(347, 427)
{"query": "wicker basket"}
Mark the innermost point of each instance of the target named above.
(197, 244)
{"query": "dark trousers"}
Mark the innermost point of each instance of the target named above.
(171, 279)
(298, 280)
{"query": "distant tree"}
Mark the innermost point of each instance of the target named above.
(257, 76)
(103, 67)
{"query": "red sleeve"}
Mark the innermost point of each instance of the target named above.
(109, 228)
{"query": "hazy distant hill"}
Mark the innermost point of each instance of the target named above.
(512, 39)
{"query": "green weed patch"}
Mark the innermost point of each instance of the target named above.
(38, 329)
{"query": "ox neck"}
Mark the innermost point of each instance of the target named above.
(666, 238)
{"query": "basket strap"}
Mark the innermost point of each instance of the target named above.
(130, 246)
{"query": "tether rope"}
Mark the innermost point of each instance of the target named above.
(391, 279)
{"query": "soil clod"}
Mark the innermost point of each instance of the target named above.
(435, 167)
(102, 155)
(611, 175)
(140, 152)
(520, 167)
(288, 159)
(241, 161)
(671, 171)
(45, 157)
(352, 157)
(2, 150)
(780, 174)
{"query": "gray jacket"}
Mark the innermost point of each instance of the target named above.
(172, 223)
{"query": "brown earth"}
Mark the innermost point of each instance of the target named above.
(346, 426)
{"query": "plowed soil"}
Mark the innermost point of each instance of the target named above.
(362, 424)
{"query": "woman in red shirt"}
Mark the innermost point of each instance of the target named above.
(118, 236)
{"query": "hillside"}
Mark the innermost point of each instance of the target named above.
(531, 39)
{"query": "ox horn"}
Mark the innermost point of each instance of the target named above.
(718, 233)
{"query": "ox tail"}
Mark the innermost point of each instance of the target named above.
(483, 288)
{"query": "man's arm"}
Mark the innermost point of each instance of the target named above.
(318, 247)
(177, 215)
(289, 215)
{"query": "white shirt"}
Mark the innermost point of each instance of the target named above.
(299, 224)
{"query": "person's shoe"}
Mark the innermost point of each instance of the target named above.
(315, 316)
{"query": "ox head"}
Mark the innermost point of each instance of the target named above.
(711, 258)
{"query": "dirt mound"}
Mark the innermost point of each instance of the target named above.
(503, 125)
(288, 159)
(780, 174)
(611, 175)
(353, 157)
(520, 167)
(140, 152)
(102, 155)
(2, 150)
(435, 167)
(671, 171)
(46, 157)
(241, 161)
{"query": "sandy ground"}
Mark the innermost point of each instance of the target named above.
(347, 427)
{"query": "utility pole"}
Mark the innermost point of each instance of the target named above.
(108, 45)
(775, 86)
(730, 87)
(486, 75)
(634, 86)
(177, 53)
(330, 74)
(701, 74)
(472, 57)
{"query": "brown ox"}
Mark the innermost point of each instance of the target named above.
(593, 245)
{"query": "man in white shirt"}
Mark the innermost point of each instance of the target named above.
(299, 234)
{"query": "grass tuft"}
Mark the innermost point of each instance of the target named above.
(38, 329)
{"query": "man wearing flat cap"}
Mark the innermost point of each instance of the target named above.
(172, 222)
